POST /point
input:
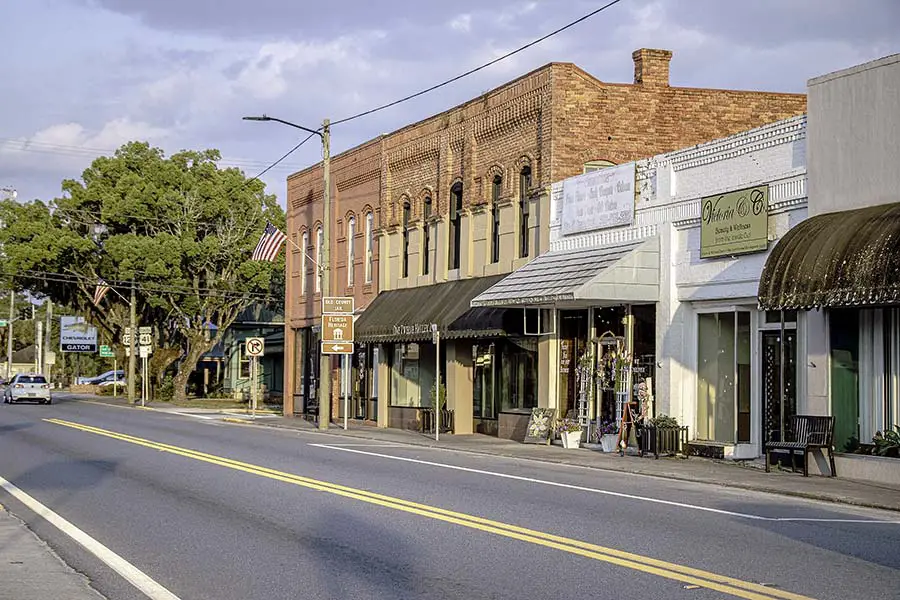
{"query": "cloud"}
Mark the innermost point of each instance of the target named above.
(462, 23)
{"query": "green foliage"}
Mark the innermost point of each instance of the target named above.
(664, 422)
(888, 443)
(180, 227)
(443, 396)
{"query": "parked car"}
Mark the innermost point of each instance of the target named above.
(102, 378)
(27, 386)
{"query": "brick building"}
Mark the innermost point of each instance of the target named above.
(434, 213)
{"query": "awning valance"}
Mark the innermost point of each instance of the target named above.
(849, 258)
(619, 273)
(407, 314)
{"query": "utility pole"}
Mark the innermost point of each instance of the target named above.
(132, 360)
(325, 359)
(9, 337)
(48, 337)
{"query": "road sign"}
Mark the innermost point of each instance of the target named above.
(3, 322)
(106, 352)
(145, 330)
(145, 339)
(254, 346)
(338, 305)
(144, 351)
(337, 347)
(50, 358)
(337, 328)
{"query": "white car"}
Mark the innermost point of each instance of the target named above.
(32, 387)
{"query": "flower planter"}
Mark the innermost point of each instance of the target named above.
(608, 441)
(570, 439)
(667, 441)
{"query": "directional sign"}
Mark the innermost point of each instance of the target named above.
(254, 346)
(106, 352)
(338, 305)
(337, 328)
(3, 322)
(337, 347)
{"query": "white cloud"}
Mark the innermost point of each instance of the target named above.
(462, 23)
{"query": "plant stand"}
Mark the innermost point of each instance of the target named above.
(570, 439)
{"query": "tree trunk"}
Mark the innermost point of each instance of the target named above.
(196, 349)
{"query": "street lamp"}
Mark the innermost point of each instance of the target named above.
(325, 359)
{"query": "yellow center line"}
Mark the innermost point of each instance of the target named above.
(680, 573)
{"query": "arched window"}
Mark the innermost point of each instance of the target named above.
(370, 245)
(405, 233)
(304, 248)
(456, 204)
(524, 187)
(496, 189)
(426, 235)
(351, 253)
(596, 165)
(320, 243)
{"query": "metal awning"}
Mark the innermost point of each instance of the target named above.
(407, 315)
(849, 258)
(622, 273)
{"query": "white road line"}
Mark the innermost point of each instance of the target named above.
(605, 492)
(132, 574)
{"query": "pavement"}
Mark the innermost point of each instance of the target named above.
(30, 570)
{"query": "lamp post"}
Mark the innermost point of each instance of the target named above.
(325, 359)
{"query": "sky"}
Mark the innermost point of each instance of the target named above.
(79, 78)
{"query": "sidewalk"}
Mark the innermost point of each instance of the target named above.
(750, 476)
(30, 570)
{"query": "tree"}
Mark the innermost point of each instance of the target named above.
(180, 229)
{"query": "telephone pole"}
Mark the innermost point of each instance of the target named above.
(132, 361)
(324, 394)
(9, 337)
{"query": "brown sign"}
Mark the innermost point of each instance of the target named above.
(337, 348)
(337, 328)
(338, 305)
(735, 223)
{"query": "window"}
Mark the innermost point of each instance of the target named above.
(351, 253)
(405, 234)
(370, 245)
(426, 236)
(304, 249)
(723, 377)
(320, 243)
(456, 204)
(596, 165)
(496, 189)
(524, 186)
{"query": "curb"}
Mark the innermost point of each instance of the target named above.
(671, 477)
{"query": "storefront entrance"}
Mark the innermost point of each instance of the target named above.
(778, 409)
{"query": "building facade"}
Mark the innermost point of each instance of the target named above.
(462, 199)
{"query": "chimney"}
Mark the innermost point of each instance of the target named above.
(651, 67)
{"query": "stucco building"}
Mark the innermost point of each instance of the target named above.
(434, 213)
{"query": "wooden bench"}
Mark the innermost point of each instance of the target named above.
(809, 433)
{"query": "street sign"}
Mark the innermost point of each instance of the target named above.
(338, 305)
(126, 338)
(337, 328)
(50, 358)
(145, 339)
(254, 346)
(106, 352)
(3, 322)
(145, 330)
(337, 347)
(144, 351)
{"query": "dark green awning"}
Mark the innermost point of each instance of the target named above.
(849, 258)
(406, 315)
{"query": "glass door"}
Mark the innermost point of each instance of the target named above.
(777, 413)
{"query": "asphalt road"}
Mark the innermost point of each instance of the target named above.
(208, 509)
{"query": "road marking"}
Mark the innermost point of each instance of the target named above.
(132, 574)
(344, 448)
(645, 564)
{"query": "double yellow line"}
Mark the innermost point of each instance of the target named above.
(683, 574)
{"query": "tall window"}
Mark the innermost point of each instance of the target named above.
(320, 243)
(370, 245)
(426, 235)
(456, 203)
(723, 377)
(524, 186)
(496, 189)
(405, 233)
(304, 248)
(351, 253)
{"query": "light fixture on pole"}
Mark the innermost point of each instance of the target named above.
(324, 133)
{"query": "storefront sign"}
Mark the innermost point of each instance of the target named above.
(734, 223)
(598, 200)
(75, 335)
(417, 329)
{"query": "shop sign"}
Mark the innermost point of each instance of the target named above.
(598, 200)
(416, 329)
(735, 223)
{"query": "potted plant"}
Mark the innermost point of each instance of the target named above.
(569, 432)
(607, 434)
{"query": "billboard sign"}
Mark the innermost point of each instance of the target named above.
(75, 335)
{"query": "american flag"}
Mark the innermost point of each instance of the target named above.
(269, 244)
(100, 291)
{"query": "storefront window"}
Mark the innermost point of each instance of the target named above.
(723, 377)
(518, 375)
(412, 375)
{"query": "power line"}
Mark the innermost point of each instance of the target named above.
(275, 164)
(479, 68)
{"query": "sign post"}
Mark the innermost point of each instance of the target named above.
(337, 338)
(254, 348)
(436, 339)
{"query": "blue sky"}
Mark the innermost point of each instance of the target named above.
(81, 77)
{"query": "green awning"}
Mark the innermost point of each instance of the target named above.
(406, 315)
(849, 258)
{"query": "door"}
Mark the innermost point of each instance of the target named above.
(777, 416)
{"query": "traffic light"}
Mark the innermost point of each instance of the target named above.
(26, 313)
